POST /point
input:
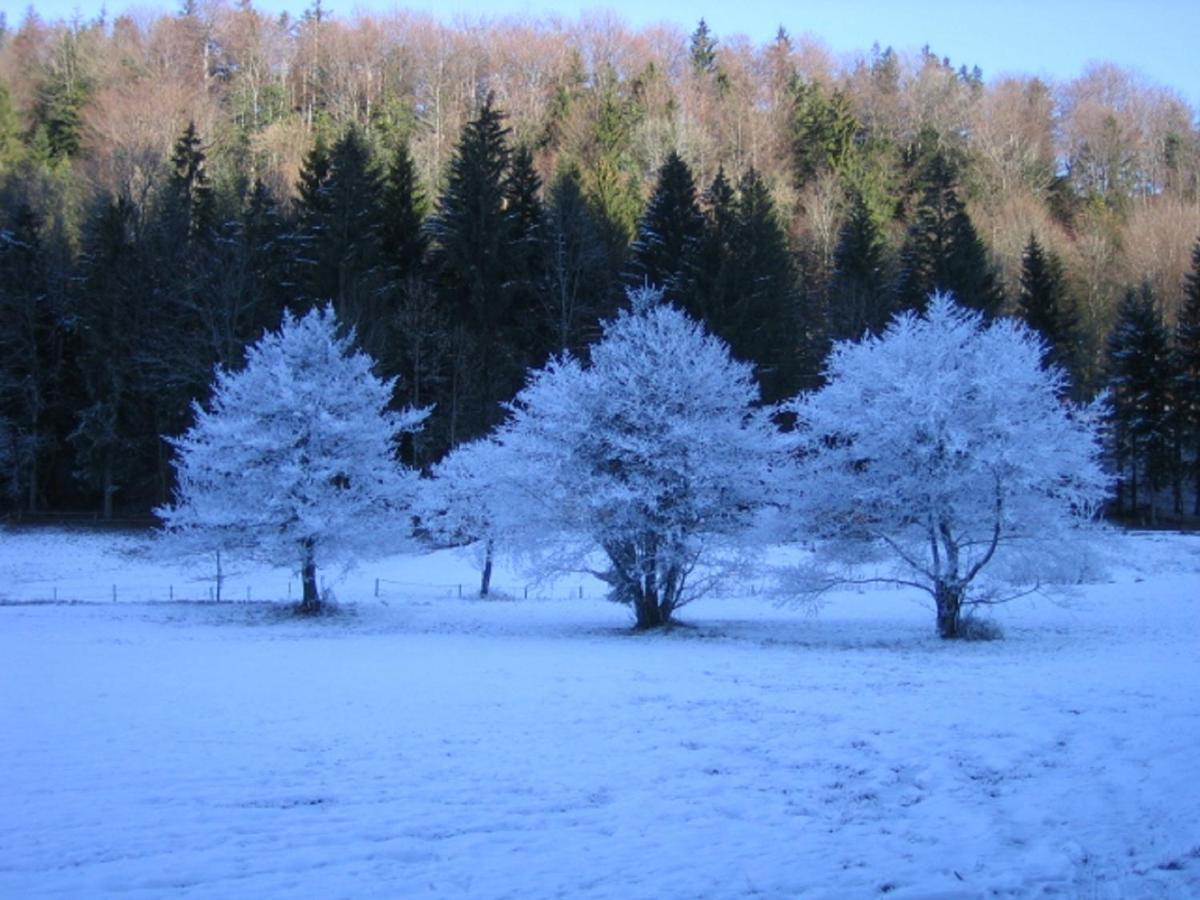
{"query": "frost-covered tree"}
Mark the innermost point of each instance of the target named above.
(294, 457)
(654, 453)
(465, 500)
(943, 447)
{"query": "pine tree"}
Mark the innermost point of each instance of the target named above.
(473, 257)
(943, 252)
(190, 195)
(668, 232)
(341, 231)
(778, 331)
(712, 282)
(1139, 372)
(1044, 307)
(703, 48)
(526, 223)
(577, 273)
(115, 428)
(30, 354)
(824, 131)
(403, 241)
(1187, 367)
(860, 298)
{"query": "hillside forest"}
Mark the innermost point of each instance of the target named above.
(475, 198)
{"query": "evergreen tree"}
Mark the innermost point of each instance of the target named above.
(189, 192)
(780, 332)
(943, 252)
(824, 131)
(712, 278)
(342, 232)
(114, 438)
(860, 294)
(473, 257)
(703, 48)
(30, 352)
(526, 223)
(577, 267)
(403, 241)
(1044, 307)
(668, 232)
(1139, 371)
(1187, 363)
(57, 113)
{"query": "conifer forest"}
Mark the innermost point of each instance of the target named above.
(475, 200)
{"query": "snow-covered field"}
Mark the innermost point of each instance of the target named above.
(422, 745)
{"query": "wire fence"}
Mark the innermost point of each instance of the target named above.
(230, 590)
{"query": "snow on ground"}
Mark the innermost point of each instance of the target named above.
(421, 745)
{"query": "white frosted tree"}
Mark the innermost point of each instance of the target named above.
(943, 451)
(294, 458)
(465, 499)
(653, 453)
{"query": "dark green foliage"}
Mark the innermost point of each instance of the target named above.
(860, 297)
(824, 131)
(943, 252)
(474, 257)
(115, 434)
(1140, 379)
(668, 232)
(744, 287)
(341, 231)
(1187, 373)
(57, 114)
(575, 289)
(403, 242)
(30, 353)
(526, 238)
(1044, 306)
(189, 195)
(703, 49)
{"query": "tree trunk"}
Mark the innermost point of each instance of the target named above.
(948, 598)
(485, 583)
(310, 603)
(648, 613)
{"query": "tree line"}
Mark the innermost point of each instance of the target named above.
(474, 201)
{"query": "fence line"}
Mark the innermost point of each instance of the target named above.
(51, 592)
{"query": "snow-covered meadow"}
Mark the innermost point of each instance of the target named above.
(418, 744)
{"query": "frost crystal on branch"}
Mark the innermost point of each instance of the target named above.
(294, 460)
(945, 447)
(654, 454)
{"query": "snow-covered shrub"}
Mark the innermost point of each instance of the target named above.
(654, 454)
(943, 451)
(294, 458)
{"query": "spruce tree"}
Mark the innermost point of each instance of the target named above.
(1187, 373)
(703, 49)
(342, 234)
(403, 241)
(781, 333)
(577, 272)
(668, 232)
(1139, 377)
(526, 225)
(1044, 306)
(114, 438)
(860, 300)
(30, 333)
(473, 257)
(943, 252)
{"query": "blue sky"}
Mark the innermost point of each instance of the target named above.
(1052, 38)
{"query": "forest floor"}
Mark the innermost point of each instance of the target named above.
(417, 744)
